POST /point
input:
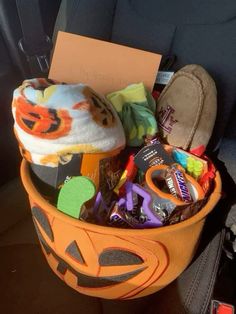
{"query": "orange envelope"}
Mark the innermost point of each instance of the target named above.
(104, 66)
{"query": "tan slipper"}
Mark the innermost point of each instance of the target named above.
(186, 108)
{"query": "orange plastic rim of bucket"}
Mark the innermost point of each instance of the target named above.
(37, 198)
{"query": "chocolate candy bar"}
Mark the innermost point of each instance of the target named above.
(177, 184)
(162, 208)
(165, 204)
(122, 218)
(184, 212)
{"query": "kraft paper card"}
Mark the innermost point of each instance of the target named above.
(104, 66)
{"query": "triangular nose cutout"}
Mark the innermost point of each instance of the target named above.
(74, 252)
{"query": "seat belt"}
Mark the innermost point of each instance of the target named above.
(35, 44)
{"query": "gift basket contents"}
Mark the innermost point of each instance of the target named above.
(124, 159)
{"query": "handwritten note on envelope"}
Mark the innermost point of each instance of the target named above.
(104, 66)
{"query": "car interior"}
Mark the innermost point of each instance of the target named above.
(184, 32)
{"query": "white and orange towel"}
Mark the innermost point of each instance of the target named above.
(54, 121)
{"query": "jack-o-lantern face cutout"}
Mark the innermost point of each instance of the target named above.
(99, 108)
(98, 264)
(41, 121)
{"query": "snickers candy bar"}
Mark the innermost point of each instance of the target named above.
(177, 184)
(154, 181)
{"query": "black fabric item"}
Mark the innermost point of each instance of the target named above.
(55, 176)
(231, 218)
(35, 44)
(136, 29)
(231, 127)
(9, 77)
(10, 28)
(33, 37)
(11, 32)
(90, 18)
(227, 153)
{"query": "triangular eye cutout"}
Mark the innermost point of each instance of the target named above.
(117, 257)
(42, 219)
(74, 252)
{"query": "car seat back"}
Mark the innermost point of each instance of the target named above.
(199, 32)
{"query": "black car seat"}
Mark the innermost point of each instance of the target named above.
(195, 32)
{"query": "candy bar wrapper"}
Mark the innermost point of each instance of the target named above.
(177, 184)
(151, 155)
(121, 218)
(182, 213)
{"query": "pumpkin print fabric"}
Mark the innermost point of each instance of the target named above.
(54, 120)
(42, 122)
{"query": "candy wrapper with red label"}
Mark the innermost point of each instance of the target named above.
(177, 184)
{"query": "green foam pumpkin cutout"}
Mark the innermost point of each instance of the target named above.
(73, 194)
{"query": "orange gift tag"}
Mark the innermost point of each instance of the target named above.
(104, 66)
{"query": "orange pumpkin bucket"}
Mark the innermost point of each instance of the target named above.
(114, 263)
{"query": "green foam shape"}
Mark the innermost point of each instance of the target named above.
(74, 194)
